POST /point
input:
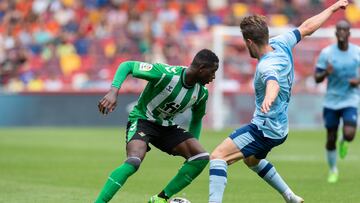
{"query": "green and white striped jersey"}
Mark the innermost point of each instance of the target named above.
(165, 95)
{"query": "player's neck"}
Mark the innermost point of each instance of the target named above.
(343, 46)
(264, 50)
(188, 78)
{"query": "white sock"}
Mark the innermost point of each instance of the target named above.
(288, 194)
(331, 157)
(217, 180)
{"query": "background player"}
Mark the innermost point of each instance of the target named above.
(340, 63)
(170, 91)
(273, 80)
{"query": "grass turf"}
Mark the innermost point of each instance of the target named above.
(72, 164)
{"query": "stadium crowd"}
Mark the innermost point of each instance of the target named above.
(66, 45)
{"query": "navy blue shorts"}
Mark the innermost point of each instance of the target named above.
(332, 117)
(251, 141)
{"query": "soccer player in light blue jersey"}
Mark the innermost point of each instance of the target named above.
(273, 80)
(340, 63)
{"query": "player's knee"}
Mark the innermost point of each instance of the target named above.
(201, 160)
(251, 161)
(349, 137)
(217, 154)
(349, 133)
(134, 161)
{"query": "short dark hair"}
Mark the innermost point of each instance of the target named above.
(343, 24)
(255, 28)
(205, 57)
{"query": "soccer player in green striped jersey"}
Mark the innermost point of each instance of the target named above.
(170, 91)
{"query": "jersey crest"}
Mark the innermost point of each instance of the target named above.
(145, 66)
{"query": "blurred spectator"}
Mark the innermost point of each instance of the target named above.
(56, 45)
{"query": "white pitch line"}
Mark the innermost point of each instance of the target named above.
(305, 158)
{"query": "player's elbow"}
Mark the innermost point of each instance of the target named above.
(273, 85)
(306, 30)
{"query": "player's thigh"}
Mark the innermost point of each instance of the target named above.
(189, 148)
(349, 116)
(252, 142)
(227, 151)
(331, 118)
(138, 135)
(136, 148)
(172, 136)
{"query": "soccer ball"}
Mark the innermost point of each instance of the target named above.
(179, 200)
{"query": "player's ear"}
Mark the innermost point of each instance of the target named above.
(249, 41)
(201, 67)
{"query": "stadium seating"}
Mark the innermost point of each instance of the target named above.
(70, 45)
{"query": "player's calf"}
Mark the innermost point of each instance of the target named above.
(117, 179)
(217, 180)
(187, 173)
(268, 173)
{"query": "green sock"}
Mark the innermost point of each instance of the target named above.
(115, 181)
(188, 172)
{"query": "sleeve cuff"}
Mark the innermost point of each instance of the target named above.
(319, 70)
(297, 35)
(271, 78)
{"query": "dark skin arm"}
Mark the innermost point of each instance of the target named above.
(108, 103)
(320, 76)
(354, 82)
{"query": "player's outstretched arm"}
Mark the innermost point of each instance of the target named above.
(108, 103)
(195, 127)
(321, 75)
(198, 112)
(272, 91)
(315, 22)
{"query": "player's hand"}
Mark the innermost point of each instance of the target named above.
(265, 107)
(341, 4)
(108, 103)
(354, 82)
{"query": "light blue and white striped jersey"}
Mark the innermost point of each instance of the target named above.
(276, 65)
(346, 65)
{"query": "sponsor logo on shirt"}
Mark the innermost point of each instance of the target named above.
(168, 110)
(169, 88)
(145, 66)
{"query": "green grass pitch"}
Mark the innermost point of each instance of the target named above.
(45, 165)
